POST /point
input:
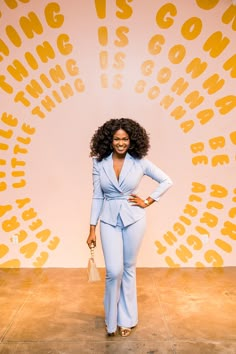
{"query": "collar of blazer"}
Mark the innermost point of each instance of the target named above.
(110, 172)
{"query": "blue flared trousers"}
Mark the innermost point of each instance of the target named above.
(120, 248)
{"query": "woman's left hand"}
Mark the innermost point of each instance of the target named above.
(136, 200)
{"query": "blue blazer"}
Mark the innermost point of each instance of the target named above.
(110, 195)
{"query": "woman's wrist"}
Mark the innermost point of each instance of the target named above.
(148, 201)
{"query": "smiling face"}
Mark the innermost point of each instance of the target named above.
(120, 142)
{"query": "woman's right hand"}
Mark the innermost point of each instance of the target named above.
(91, 240)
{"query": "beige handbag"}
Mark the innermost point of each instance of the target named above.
(93, 273)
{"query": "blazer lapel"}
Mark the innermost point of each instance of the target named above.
(128, 163)
(109, 170)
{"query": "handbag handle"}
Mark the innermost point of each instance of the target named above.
(92, 250)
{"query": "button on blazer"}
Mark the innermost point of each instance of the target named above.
(110, 195)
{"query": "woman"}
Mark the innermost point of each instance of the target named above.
(118, 148)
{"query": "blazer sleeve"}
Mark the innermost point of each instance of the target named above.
(98, 196)
(154, 172)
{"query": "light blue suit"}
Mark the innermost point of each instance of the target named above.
(122, 228)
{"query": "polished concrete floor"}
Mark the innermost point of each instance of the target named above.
(185, 311)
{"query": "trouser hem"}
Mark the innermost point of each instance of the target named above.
(128, 326)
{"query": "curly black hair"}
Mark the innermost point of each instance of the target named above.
(101, 142)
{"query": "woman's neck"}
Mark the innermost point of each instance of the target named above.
(118, 156)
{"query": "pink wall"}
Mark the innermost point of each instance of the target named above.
(68, 66)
